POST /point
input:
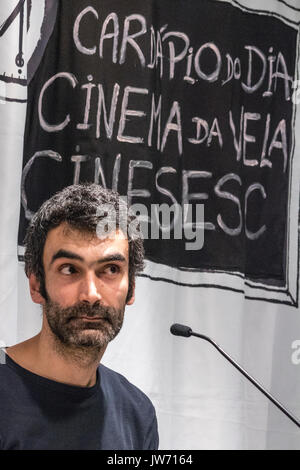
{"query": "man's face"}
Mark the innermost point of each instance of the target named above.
(86, 280)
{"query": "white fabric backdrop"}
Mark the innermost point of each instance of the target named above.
(201, 400)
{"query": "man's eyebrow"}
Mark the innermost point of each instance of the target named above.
(65, 254)
(112, 257)
(70, 255)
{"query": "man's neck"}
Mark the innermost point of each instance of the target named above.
(45, 356)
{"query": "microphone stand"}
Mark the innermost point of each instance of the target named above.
(182, 330)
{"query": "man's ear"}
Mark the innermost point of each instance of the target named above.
(34, 286)
(132, 298)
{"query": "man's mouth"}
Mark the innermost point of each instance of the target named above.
(92, 318)
(89, 319)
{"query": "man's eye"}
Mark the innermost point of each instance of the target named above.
(112, 269)
(68, 269)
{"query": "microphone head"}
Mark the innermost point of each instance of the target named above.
(181, 330)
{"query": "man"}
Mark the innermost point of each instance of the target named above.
(54, 394)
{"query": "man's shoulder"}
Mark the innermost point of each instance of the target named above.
(127, 400)
(115, 383)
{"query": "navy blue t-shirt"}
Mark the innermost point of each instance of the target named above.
(38, 413)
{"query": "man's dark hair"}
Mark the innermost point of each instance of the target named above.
(77, 206)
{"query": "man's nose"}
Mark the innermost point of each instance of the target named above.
(89, 291)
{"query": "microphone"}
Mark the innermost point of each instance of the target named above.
(183, 330)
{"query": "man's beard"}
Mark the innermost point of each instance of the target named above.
(73, 331)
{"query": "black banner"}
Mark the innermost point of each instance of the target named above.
(176, 102)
